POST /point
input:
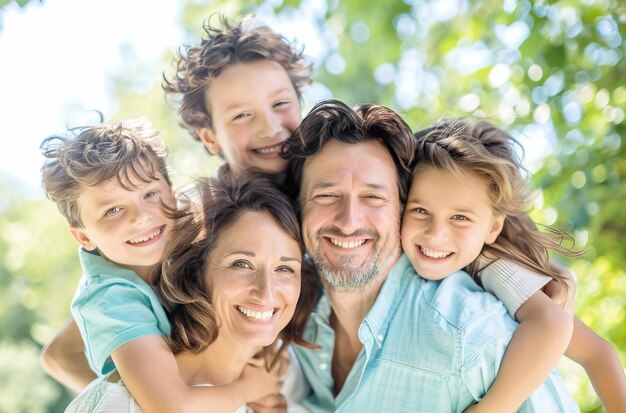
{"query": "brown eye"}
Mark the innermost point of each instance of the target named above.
(242, 264)
(421, 210)
(285, 268)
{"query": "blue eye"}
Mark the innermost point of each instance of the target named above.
(460, 218)
(112, 211)
(151, 194)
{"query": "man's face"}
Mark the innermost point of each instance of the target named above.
(351, 212)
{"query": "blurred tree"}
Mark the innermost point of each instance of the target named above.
(24, 388)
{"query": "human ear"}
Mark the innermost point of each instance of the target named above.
(496, 229)
(80, 235)
(207, 137)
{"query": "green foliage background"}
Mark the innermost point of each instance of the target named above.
(546, 70)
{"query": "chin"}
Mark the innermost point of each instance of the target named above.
(259, 340)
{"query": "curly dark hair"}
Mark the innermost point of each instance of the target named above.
(334, 120)
(247, 41)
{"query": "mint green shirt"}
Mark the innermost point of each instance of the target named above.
(428, 346)
(113, 306)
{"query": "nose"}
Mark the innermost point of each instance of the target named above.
(349, 216)
(436, 230)
(263, 288)
(139, 215)
(269, 124)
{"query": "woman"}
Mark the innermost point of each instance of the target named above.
(232, 270)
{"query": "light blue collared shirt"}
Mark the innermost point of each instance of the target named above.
(113, 306)
(428, 346)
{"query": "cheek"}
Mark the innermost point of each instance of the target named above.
(292, 119)
(473, 241)
(234, 137)
(290, 290)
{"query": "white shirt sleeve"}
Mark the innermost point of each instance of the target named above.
(512, 283)
(295, 388)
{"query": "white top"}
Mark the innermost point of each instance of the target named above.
(104, 396)
(511, 283)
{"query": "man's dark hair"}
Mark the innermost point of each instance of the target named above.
(334, 120)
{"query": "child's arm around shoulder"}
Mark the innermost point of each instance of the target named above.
(149, 370)
(63, 358)
(592, 352)
(601, 364)
(538, 343)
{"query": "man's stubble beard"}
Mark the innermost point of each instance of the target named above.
(344, 277)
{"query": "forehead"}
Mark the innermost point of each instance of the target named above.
(118, 187)
(432, 184)
(365, 163)
(236, 236)
(241, 83)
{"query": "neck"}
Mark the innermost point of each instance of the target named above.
(349, 308)
(221, 363)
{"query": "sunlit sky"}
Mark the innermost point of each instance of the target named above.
(57, 59)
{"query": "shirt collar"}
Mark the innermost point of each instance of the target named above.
(94, 264)
(379, 317)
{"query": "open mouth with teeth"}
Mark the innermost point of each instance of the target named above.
(269, 151)
(347, 244)
(152, 236)
(256, 315)
(432, 254)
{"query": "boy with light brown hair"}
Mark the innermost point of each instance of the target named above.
(111, 184)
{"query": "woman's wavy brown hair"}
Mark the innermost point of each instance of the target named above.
(489, 153)
(247, 41)
(204, 214)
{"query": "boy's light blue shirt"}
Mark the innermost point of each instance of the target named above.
(428, 346)
(111, 307)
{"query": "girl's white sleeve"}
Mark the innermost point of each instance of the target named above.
(511, 283)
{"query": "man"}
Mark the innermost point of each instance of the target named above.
(390, 340)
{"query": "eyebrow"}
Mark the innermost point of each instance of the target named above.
(279, 91)
(324, 185)
(105, 203)
(289, 259)
(252, 254)
(242, 103)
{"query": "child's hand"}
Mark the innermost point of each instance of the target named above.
(274, 403)
(258, 382)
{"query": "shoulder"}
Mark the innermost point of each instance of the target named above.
(113, 294)
(457, 299)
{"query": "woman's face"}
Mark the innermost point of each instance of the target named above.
(253, 279)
